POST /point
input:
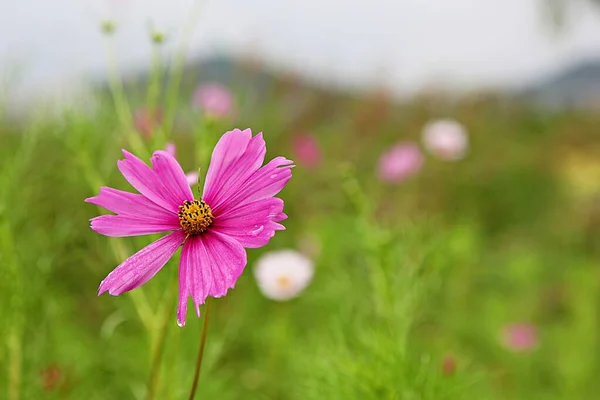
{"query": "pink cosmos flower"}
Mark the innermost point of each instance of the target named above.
(520, 337)
(307, 151)
(214, 99)
(191, 177)
(145, 121)
(400, 162)
(446, 139)
(237, 210)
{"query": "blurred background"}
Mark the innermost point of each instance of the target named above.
(405, 46)
(445, 205)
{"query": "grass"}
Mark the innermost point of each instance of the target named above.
(406, 276)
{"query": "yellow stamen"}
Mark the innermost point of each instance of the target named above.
(283, 282)
(195, 217)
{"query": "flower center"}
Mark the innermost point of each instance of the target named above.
(195, 217)
(283, 282)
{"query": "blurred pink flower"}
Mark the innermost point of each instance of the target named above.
(171, 149)
(400, 162)
(214, 99)
(449, 365)
(145, 121)
(191, 177)
(52, 376)
(307, 151)
(520, 337)
(446, 139)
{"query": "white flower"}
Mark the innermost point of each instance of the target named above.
(284, 274)
(446, 139)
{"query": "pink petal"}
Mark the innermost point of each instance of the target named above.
(142, 266)
(235, 158)
(170, 173)
(210, 265)
(191, 279)
(264, 183)
(146, 181)
(121, 202)
(252, 224)
(279, 217)
(127, 225)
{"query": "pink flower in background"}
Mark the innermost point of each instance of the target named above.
(400, 162)
(445, 139)
(307, 151)
(191, 177)
(146, 121)
(237, 210)
(214, 99)
(449, 365)
(171, 149)
(520, 337)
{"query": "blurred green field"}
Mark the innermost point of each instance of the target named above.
(407, 276)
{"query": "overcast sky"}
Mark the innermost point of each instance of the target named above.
(407, 44)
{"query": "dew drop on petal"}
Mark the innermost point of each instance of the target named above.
(273, 176)
(257, 230)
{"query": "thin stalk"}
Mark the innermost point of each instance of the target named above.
(153, 92)
(203, 138)
(160, 346)
(367, 227)
(153, 95)
(200, 349)
(14, 362)
(14, 306)
(176, 70)
(120, 101)
(116, 87)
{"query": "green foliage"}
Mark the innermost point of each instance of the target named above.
(405, 277)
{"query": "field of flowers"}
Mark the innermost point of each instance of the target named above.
(433, 249)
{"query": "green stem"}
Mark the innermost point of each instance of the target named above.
(200, 350)
(203, 138)
(14, 365)
(152, 98)
(154, 84)
(116, 87)
(160, 346)
(120, 100)
(370, 232)
(172, 91)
